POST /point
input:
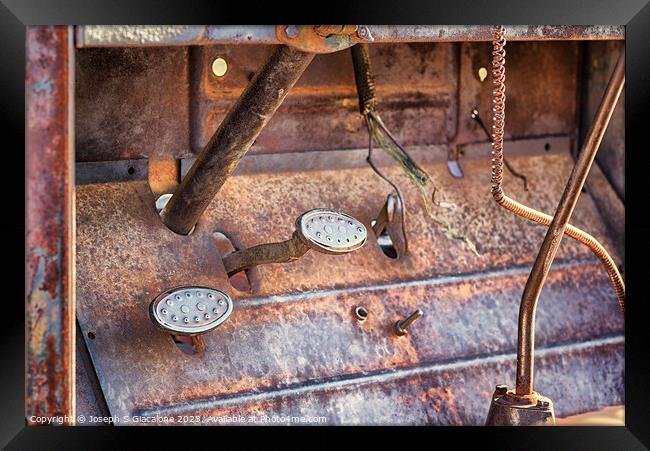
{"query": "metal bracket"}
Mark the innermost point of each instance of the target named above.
(322, 38)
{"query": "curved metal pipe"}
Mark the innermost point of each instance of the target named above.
(498, 74)
(262, 254)
(556, 230)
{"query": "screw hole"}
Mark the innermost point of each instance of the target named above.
(91, 335)
(361, 313)
(131, 170)
(547, 147)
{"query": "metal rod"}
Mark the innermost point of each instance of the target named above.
(402, 325)
(283, 252)
(234, 137)
(542, 265)
(184, 35)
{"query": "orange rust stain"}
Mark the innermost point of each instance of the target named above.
(442, 399)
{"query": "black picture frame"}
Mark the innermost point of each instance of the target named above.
(15, 15)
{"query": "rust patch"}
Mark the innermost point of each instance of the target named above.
(49, 224)
(443, 401)
(296, 329)
(132, 103)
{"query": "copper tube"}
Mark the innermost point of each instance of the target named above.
(557, 228)
(498, 74)
(234, 137)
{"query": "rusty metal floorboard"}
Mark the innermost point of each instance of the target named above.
(296, 330)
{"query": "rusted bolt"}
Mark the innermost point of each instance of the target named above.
(219, 67)
(482, 74)
(291, 31)
(364, 33)
(501, 389)
(360, 313)
(403, 324)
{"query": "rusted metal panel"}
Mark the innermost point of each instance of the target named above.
(542, 85)
(87, 172)
(297, 329)
(135, 103)
(451, 393)
(356, 158)
(50, 302)
(89, 398)
(184, 35)
(131, 103)
(610, 205)
(415, 84)
(600, 59)
(503, 239)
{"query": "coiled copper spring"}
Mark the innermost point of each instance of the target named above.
(498, 127)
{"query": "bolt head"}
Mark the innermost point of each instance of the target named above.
(291, 31)
(399, 331)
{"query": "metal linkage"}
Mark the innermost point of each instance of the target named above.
(326, 231)
(234, 137)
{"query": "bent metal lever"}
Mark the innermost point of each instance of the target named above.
(326, 231)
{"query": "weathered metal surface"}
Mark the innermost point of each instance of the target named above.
(244, 121)
(131, 103)
(89, 400)
(296, 332)
(600, 59)
(321, 160)
(610, 205)
(278, 197)
(87, 172)
(163, 175)
(542, 85)
(415, 84)
(184, 35)
(454, 393)
(50, 302)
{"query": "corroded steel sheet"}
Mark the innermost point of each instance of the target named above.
(451, 393)
(49, 253)
(416, 84)
(296, 330)
(542, 84)
(183, 35)
(600, 59)
(136, 103)
(131, 103)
